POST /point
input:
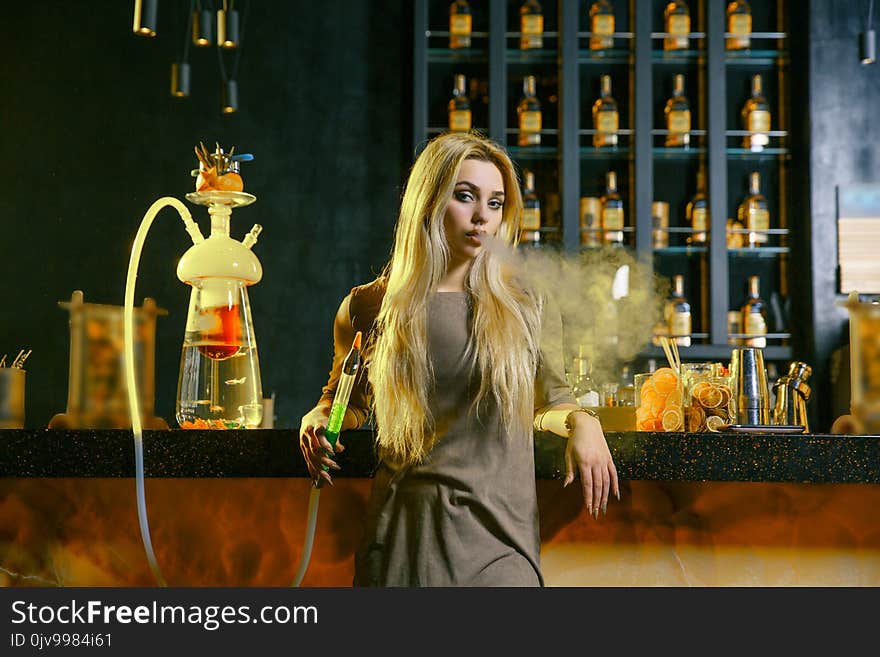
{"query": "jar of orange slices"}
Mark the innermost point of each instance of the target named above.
(658, 398)
(709, 401)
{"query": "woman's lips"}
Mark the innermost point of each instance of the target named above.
(475, 237)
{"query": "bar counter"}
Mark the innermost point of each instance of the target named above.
(228, 508)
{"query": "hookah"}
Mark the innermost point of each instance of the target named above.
(219, 384)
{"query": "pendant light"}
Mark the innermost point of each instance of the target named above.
(202, 25)
(868, 39)
(227, 26)
(144, 23)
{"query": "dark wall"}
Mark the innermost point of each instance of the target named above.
(844, 138)
(91, 138)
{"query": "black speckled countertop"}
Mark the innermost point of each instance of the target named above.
(816, 458)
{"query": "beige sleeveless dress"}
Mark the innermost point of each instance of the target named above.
(467, 515)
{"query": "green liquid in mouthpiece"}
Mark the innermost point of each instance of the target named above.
(337, 412)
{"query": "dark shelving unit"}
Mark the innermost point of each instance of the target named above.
(567, 162)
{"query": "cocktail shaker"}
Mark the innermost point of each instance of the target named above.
(792, 394)
(752, 393)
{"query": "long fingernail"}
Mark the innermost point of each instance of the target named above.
(596, 515)
(618, 496)
(605, 509)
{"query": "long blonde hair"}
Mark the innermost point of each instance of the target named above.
(506, 314)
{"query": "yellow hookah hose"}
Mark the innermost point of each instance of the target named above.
(131, 383)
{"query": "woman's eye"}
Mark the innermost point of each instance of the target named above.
(495, 204)
(464, 196)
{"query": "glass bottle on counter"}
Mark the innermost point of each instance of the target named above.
(678, 313)
(605, 116)
(612, 212)
(678, 116)
(601, 25)
(677, 23)
(756, 118)
(739, 25)
(460, 23)
(753, 212)
(754, 316)
(459, 107)
(531, 25)
(529, 113)
(697, 211)
(583, 388)
(530, 224)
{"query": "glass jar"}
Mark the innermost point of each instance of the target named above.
(658, 401)
(709, 402)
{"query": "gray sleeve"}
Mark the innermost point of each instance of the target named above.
(551, 388)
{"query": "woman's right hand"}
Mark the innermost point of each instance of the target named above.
(315, 446)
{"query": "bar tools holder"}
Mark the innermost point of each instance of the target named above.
(96, 391)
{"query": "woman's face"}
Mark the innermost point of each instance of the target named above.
(475, 208)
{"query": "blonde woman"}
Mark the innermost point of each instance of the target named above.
(457, 374)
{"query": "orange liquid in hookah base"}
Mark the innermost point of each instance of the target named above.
(227, 339)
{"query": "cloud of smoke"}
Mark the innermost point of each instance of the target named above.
(607, 331)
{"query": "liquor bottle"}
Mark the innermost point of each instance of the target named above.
(753, 213)
(612, 212)
(583, 388)
(601, 25)
(678, 313)
(459, 107)
(530, 224)
(605, 116)
(531, 25)
(739, 25)
(529, 111)
(460, 24)
(754, 316)
(678, 116)
(660, 224)
(697, 211)
(756, 118)
(677, 23)
(734, 239)
(591, 221)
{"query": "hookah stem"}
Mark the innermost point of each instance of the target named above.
(350, 368)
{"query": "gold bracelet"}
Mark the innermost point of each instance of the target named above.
(569, 425)
(538, 424)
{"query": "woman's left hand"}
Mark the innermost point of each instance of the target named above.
(587, 454)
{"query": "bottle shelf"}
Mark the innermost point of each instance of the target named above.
(765, 154)
(457, 55)
(681, 250)
(605, 153)
(667, 35)
(568, 164)
(607, 56)
(533, 152)
(536, 56)
(758, 251)
(678, 152)
(677, 56)
(757, 58)
(717, 352)
(613, 35)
